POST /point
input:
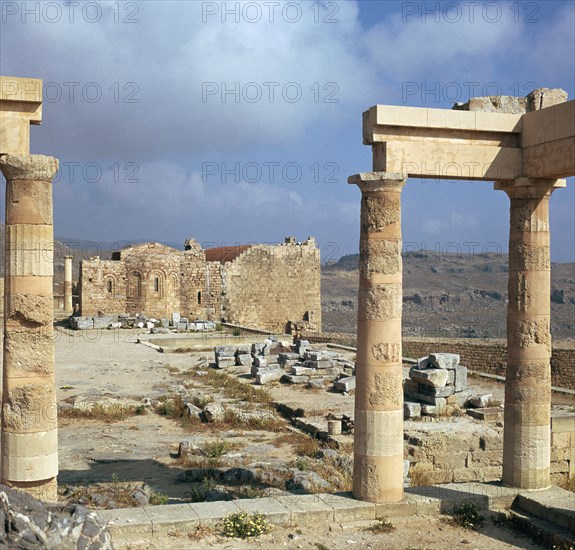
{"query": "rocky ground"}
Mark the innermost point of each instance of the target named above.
(122, 420)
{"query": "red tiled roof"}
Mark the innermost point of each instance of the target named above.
(225, 253)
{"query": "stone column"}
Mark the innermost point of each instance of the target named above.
(526, 444)
(378, 442)
(68, 285)
(29, 458)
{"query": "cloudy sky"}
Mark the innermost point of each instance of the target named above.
(237, 122)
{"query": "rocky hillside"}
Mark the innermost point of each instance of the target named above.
(449, 295)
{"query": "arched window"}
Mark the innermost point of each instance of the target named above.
(156, 284)
(199, 297)
(135, 285)
(110, 286)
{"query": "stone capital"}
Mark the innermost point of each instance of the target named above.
(28, 167)
(374, 182)
(529, 188)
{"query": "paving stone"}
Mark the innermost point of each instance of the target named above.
(307, 510)
(211, 514)
(174, 518)
(346, 508)
(275, 512)
(132, 524)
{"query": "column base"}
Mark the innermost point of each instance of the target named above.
(45, 490)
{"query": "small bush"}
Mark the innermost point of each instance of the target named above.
(382, 525)
(468, 516)
(219, 327)
(243, 525)
(215, 449)
(158, 499)
(237, 332)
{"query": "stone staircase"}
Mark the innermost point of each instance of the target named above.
(548, 515)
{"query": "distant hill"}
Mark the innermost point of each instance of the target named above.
(447, 294)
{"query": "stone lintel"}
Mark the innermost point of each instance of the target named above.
(440, 119)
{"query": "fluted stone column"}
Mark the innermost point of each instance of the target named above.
(68, 285)
(527, 434)
(378, 441)
(29, 458)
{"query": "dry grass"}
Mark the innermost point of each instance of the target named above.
(100, 412)
(420, 477)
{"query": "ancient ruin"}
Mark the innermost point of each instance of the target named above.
(525, 147)
(263, 286)
(29, 456)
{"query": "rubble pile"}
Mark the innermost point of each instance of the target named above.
(435, 383)
(156, 326)
(273, 360)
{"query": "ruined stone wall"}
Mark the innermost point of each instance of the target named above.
(490, 356)
(475, 453)
(267, 286)
(103, 286)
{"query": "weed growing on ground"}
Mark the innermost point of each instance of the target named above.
(382, 525)
(215, 449)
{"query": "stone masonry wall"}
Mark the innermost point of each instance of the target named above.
(103, 285)
(475, 453)
(267, 286)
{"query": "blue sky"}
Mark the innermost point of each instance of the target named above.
(238, 122)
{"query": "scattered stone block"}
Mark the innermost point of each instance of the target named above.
(480, 401)
(316, 384)
(411, 410)
(165, 323)
(182, 326)
(423, 362)
(429, 376)
(260, 361)
(244, 359)
(490, 414)
(175, 319)
(225, 362)
(345, 384)
(213, 412)
(295, 379)
(460, 381)
(299, 370)
(272, 375)
(444, 360)
(446, 391)
(257, 348)
(192, 411)
(105, 322)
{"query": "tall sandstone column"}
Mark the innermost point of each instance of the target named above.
(68, 285)
(29, 458)
(378, 442)
(526, 450)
